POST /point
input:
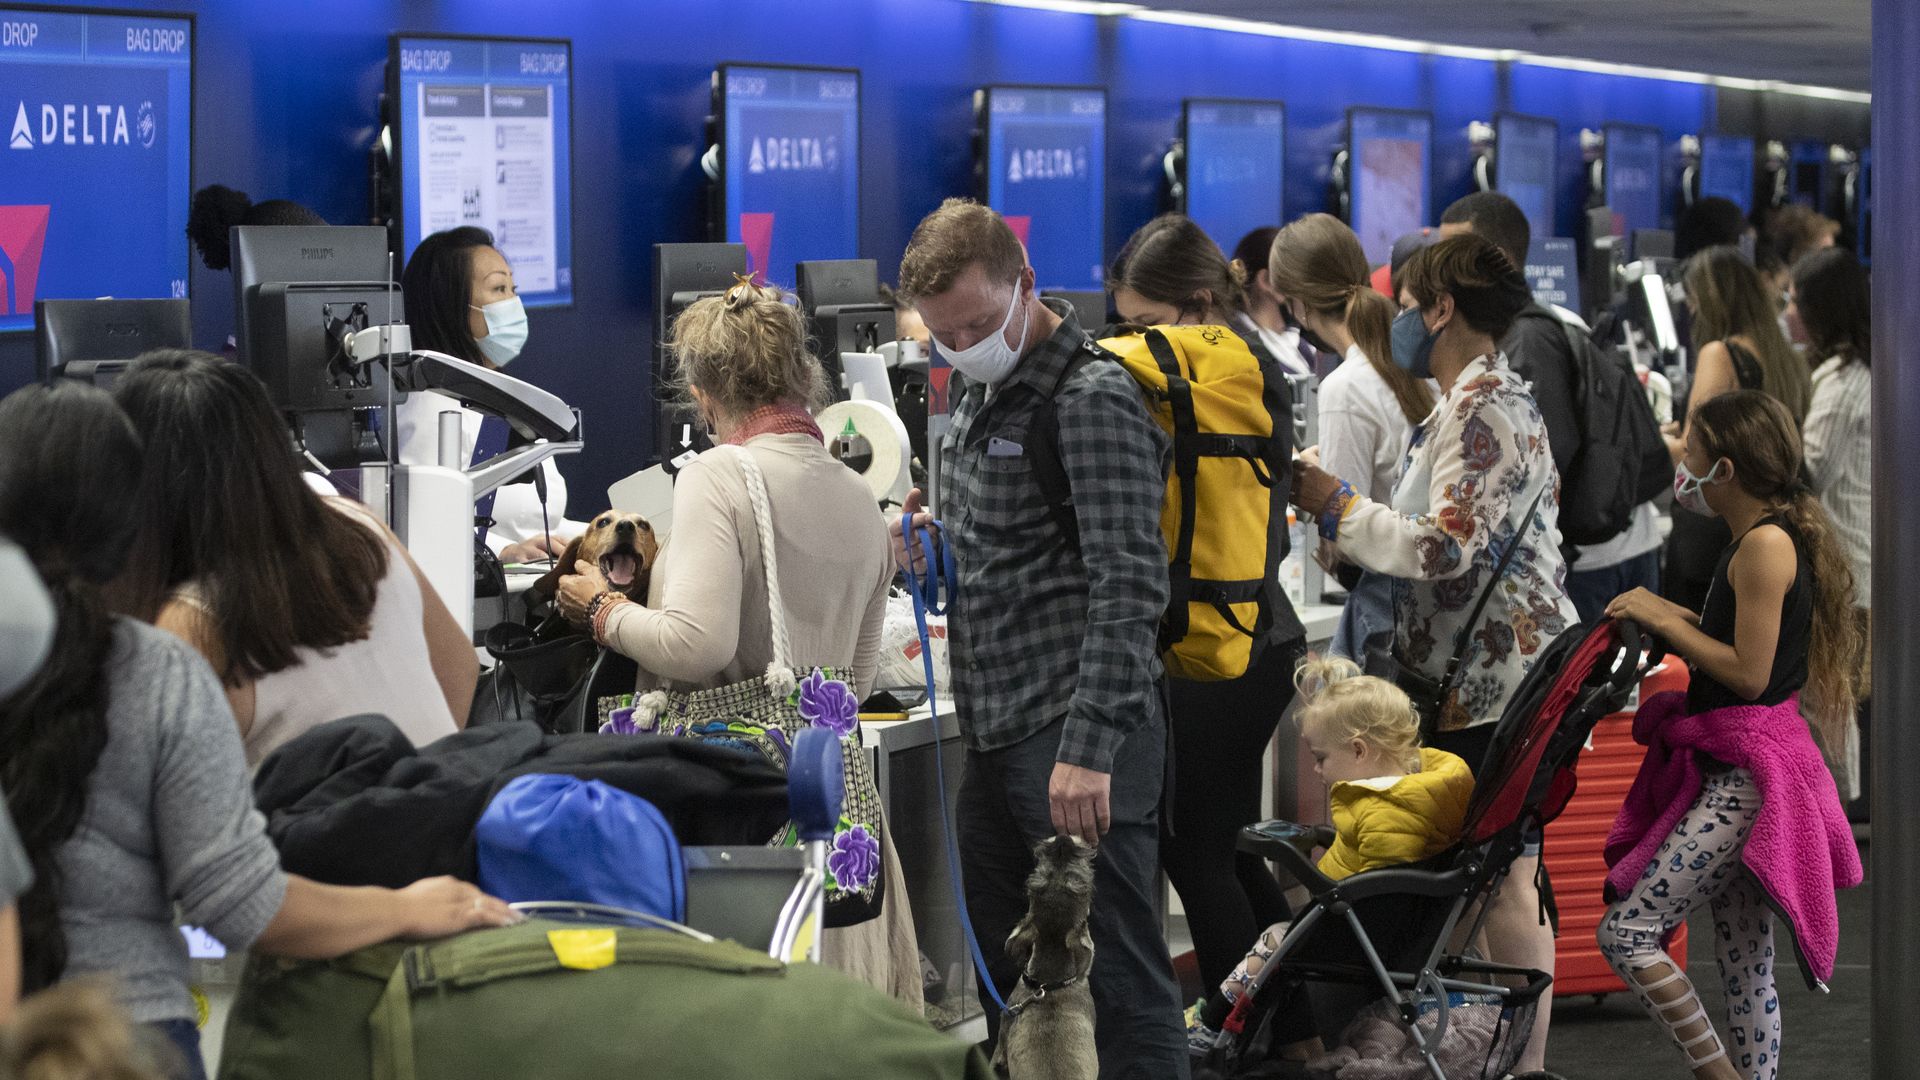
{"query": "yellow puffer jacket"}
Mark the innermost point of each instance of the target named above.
(1398, 819)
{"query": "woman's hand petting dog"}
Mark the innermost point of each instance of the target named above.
(578, 589)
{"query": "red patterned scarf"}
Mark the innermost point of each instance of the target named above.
(787, 418)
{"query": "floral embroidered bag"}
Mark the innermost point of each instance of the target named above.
(763, 715)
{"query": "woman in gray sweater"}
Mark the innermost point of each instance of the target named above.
(123, 768)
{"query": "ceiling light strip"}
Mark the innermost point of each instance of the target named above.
(1430, 48)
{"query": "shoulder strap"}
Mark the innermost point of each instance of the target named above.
(762, 510)
(1746, 366)
(1465, 636)
(1043, 447)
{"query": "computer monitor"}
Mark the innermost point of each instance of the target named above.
(1389, 152)
(98, 121)
(96, 339)
(1233, 164)
(845, 314)
(297, 290)
(1632, 169)
(1040, 158)
(682, 274)
(483, 135)
(1807, 175)
(788, 184)
(1526, 164)
(1726, 169)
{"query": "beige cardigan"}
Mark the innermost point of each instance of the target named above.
(705, 622)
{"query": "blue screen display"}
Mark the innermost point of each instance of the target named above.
(485, 139)
(1526, 167)
(1046, 174)
(1236, 155)
(792, 166)
(98, 114)
(1807, 184)
(1726, 169)
(1387, 176)
(1633, 177)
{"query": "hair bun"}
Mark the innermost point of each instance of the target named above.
(216, 209)
(1237, 270)
(1316, 673)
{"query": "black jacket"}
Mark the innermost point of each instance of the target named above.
(354, 803)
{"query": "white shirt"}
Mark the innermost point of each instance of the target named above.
(1363, 433)
(517, 513)
(1839, 445)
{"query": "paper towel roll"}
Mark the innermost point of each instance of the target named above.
(868, 438)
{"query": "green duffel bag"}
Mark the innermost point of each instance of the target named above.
(560, 1000)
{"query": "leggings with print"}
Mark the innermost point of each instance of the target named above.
(1701, 860)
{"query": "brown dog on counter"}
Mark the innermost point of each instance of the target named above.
(623, 547)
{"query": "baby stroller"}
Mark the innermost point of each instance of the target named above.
(1382, 941)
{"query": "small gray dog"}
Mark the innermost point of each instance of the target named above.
(1047, 1032)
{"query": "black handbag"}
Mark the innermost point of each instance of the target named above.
(555, 684)
(1434, 699)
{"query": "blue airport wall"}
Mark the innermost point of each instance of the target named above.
(286, 107)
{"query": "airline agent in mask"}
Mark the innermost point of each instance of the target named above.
(461, 301)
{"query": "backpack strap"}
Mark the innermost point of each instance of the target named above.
(1186, 468)
(1043, 446)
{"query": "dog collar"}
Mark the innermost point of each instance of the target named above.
(1040, 990)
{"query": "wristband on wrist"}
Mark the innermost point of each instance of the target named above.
(600, 611)
(1336, 510)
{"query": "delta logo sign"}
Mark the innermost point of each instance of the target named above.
(23, 238)
(1047, 164)
(82, 125)
(796, 154)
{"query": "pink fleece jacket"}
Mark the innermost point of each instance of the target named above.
(1800, 849)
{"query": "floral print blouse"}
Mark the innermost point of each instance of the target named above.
(1473, 468)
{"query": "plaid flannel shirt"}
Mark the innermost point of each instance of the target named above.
(1043, 631)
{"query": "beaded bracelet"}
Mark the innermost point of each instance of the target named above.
(600, 609)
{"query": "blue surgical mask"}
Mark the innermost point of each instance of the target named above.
(506, 330)
(1413, 343)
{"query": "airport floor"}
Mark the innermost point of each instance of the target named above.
(1825, 1037)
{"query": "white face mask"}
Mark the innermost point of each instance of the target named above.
(990, 360)
(506, 329)
(1688, 489)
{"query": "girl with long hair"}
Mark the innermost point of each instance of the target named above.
(306, 607)
(1733, 805)
(1738, 345)
(1172, 273)
(1369, 405)
(126, 729)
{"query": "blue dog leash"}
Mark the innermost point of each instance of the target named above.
(943, 574)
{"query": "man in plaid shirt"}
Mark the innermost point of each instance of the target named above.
(1056, 677)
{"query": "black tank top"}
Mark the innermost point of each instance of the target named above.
(1717, 620)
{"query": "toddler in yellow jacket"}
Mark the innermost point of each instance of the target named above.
(1392, 801)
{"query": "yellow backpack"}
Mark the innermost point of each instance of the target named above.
(1225, 516)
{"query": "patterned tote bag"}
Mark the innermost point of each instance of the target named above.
(763, 715)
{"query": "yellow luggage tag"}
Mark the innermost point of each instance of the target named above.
(585, 950)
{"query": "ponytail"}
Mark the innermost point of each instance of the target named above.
(1833, 660)
(53, 730)
(1369, 318)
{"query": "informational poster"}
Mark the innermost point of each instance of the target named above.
(97, 111)
(1726, 169)
(791, 159)
(1046, 174)
(1632, 166)
(484, 141)
(1553, 271)
(1236, 156)
(1525, 165)
(1388, 154)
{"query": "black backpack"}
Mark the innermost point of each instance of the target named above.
(1622, 460)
